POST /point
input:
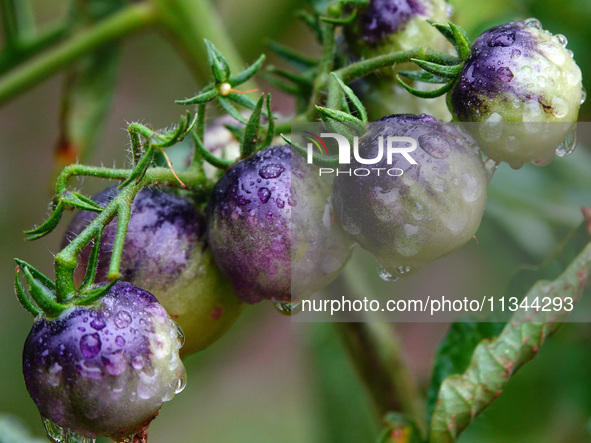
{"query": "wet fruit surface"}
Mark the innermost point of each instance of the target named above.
(428, 210)
(523, 87)
(107, 368)
(165, 253)
(258, 241)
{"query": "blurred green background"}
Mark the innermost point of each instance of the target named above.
(271, 380)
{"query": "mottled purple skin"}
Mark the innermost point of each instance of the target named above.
(107, 368)
(146, 241)
(261, 240)
(433, 208)
(166, 253)
(494, 58)
(385, 17)
(249, 219)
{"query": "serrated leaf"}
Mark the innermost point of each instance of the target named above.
(219, 65)
(464, 396)
(248, 73)
(455, 351)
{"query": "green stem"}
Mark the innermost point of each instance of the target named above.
(189, 22)
(130, 19)
(364, 67)
(376, 353)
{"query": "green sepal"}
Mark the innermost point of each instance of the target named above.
(38, 275)
(455, 35)
(79, 201)
(231, 109)
(22, 296)
(140, 169)
(243, 100)
(204, 97)
(357, 105)
(248, 73)
(462, 41)
(426, 94)
(170, 138)
(208, 156)
(270, 126)
(219, 65)
(95, 294)
(251, 132)
(91, 266)
(342, 118)
(41, 290)
(49, 224)
(292, 57)
(438, 69)
(319, 160)
(422, 76)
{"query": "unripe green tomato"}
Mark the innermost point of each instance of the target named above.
(387, 26)
(523, 89)
(166, 254)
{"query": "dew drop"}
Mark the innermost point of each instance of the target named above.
(533, 23)
(561, 39)
(98, 323)
(385, 275)
(264, 195)
(280, 203)
(54, 431)
(271, 171)
(505, 74)
(583, 95)
(122, 319)
(74, 437)
(181, 383)
(503, 39)
(288, 308)
(119, 341)
(568, 146)
(137, 362)
(403, 269)
(90, 345)
(180, 336)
